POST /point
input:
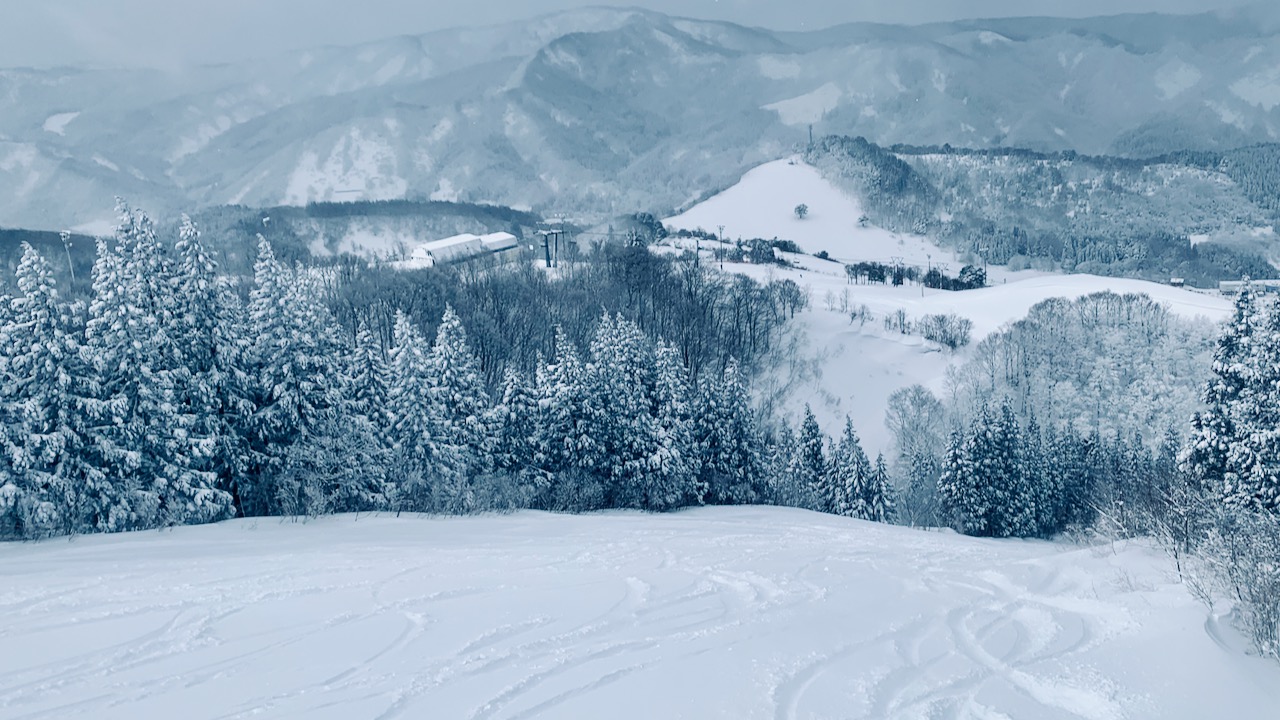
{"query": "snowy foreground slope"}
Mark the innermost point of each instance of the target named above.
(713, 613)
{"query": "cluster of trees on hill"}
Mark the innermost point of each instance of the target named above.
(1103, 215)
(893, 193)
(1255, 168)
(1038, 425)
(512, 313)
(1000, 479)
(1103, 361)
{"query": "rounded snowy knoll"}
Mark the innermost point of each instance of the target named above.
(710, 613)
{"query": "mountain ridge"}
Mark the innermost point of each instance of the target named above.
(600, 111)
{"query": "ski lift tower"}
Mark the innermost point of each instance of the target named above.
(551, 245)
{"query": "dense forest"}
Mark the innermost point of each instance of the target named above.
(1202, 216)
(178, 394)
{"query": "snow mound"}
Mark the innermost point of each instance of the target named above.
(1176, 77)
(57, 124)
(712, 613)
(1261, 89)
(808, 108)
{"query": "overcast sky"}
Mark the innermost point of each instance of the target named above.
(163, 33)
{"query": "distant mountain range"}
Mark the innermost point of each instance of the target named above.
(596, 112)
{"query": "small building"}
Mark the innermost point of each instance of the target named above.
(1232, 287)
(450, 249)
(499, 242)
(1177, 282)
(461, 248)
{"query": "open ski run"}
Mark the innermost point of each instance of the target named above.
(712, 613)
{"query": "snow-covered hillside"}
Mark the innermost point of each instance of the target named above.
(762, 205)
(714, 613)
(851, 368)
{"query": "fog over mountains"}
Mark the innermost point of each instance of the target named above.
(598, 111)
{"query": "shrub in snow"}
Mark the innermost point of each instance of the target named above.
(950, 330)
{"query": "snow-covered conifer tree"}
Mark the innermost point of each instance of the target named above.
(371, 379)
(732, 469)
(460, 393)
(1214, 430)
(1252, 477)
(673, 471)
(515, 421)
(619, 384)
(1013, 512)
(880, 501)
(208, 384)
(56, 470)
(295, 360)
(845, 488)
(425, 459)
(959, 485)
(810, 462)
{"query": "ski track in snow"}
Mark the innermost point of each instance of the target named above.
(736, 613)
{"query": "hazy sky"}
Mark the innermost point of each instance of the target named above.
(163, 33)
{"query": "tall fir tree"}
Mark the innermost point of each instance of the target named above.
(371, 379)
(619, 385)
(10, 494)
(130, 385)
(460, 394)
(880, 501)
(564, 441)
(672, 479)
(1012, 502)
(1045, 491)
(427, 460)
(1252, 477)
(847, 486)
(209, 386)
(810, 463)
(732, 471)
(959, 489)
(58, 474)
(1214, 430)
(516, 421)
(299, 378)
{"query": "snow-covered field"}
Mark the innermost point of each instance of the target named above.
(713, 613)
(852, 369)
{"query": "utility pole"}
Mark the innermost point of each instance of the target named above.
(66, 245)
(721, 248)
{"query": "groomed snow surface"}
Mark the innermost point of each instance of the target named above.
(736, 613)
